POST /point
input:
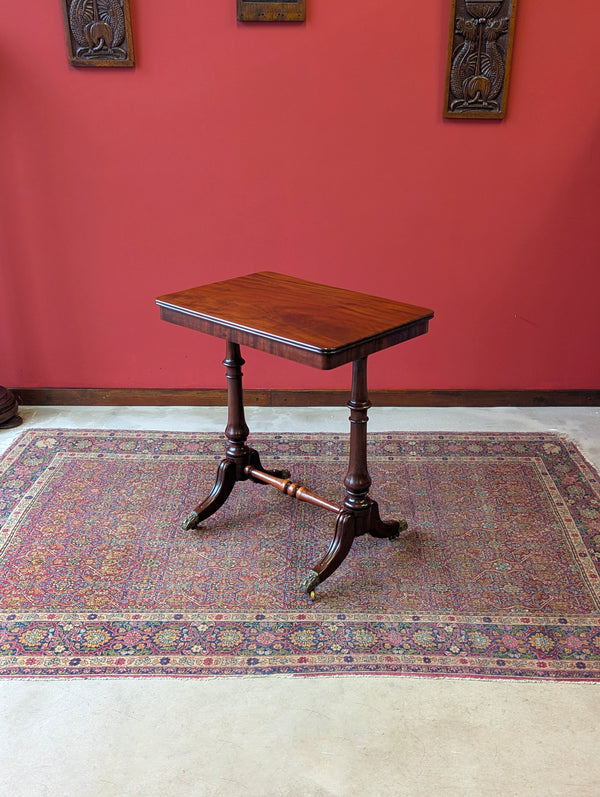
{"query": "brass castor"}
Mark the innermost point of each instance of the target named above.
(190, 521)
(310, 583)
(402, 526)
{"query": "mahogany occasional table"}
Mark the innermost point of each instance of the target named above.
(316, 325)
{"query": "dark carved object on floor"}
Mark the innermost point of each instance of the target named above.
(98, 32)
(271, 11)
(479, 56)
(9, 417)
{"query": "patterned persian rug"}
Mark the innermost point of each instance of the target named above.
(497, 576)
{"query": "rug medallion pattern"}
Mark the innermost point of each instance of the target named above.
(497, 576)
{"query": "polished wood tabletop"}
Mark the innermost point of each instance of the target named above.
(318, 325)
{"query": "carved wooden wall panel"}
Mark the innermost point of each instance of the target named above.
(271, 11)
(98, 32)
(479, 57)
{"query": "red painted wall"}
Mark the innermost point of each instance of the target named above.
(318, 150)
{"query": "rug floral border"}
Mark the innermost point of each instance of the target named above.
(91, 644)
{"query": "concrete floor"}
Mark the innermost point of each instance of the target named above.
(295, 736)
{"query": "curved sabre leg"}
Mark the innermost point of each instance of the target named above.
(226, 478)
(338, 550)
(377, 527)
(256, 463)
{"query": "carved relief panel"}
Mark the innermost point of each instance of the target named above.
(271, 11)
(98, 32)
(479, 57)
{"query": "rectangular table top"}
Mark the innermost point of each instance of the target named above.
(314, 324)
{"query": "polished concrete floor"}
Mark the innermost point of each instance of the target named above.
(303, 736)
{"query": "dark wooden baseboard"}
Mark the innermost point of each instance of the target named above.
(162, 397)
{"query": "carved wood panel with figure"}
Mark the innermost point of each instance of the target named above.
(479, 57)
(98, 32)
(271, 11)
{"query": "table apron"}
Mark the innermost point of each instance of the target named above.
(324, 359)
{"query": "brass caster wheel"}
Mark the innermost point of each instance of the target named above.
(279, 474)
(402, 526)
(190, 521)
(310, 583)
